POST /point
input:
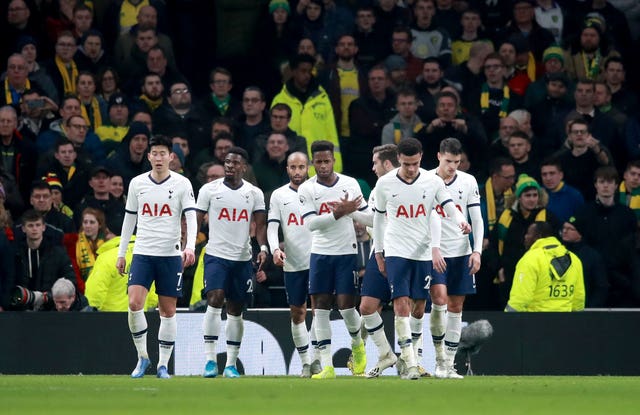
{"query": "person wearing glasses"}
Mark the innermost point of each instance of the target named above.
(220, 103)
(62, 68)
(581, 155)
(253, 122)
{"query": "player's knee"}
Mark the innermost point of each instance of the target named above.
(298, 314)
(135, 304)
(368, 306)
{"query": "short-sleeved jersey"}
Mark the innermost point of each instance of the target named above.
(315, 199)
(230, 212)
(159, 207)
(464, 193)
(408, 206)
(284, 209)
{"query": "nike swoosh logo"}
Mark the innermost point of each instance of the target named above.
(394, 195)
(317, 198)
(218, 197)
(286, 203)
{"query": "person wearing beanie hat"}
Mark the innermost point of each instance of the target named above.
(553, 52)
(593, 265)
(528, 205)
(279, 4)
(56, 187)
(113, 131)
(524, 23)
(177, 162)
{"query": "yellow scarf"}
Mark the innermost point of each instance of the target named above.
(69, 82)
(95, 114)
(153, 104)
(505, 222)
(491, 202)
(8, 96)
(397, 130)
(86, 253)
(484, 100)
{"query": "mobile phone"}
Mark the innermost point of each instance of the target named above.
(35, 103)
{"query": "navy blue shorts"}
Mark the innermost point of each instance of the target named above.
(296, 285)
(374, 284)
(235, 278)
(165, 271)
(333, 274)
(457, 277)
(408, 277)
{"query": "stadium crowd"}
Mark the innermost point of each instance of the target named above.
(542, 94)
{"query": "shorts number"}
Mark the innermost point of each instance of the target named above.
(179, 280)
(560, 290)
(427, 282)
(249, 286)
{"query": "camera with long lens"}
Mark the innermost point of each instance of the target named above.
(24, 299)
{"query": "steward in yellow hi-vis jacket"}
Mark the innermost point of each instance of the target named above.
(548, 277)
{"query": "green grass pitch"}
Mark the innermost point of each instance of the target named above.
(494, 395)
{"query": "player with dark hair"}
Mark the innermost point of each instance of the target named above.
(231, 203)
(155, 203)
(455, 257)
(406, 197)
(327, 200)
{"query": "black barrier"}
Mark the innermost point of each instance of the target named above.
(588, 343)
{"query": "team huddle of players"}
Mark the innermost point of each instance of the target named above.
(421, 250)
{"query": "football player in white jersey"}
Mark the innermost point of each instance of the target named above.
(406, 196)
(231, 204)
(156, 201)
(449, 288)
(326, 200)
(284, 212)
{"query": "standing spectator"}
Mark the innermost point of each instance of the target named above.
(586, 59)
(429, 40)
(622, 97)
(279, 117)
(373, 45)
(471, 25)
(152, 93)
(611, 229)
(62, 68)
(253, 122)
(129, 159)
(17, 81)
(524, 23)
(27, 47)
(401, 44)
(271, 168)
(220, 103)
(311, 110)
(520, 152)
(405, 123)
(91, 55)
(470, 73)
(564, 199)
(92, 107)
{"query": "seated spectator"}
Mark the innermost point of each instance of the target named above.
(90, 237)
(100, 198)
(209, 172)
(152, 96)
(130, 157)
(271, 168)
(596, 285)
(116, 188)
(586, 57)
(108, 83)
(220, 103)
(524, 23)
(564, 199)
(42, 202)
(611, 230)
(499, 146)
(63, 69)
(157, 62)
(18, 154)
(115, 128)
(179, 113)
(553, 63)
(16, 81)
(428, 86)
(36, 113)
(253, 122)
(92, 107)
(66, 298)
(182, 142)
(91, 55)
(73, 174)
(622, 97)
(406, 123)
(373, 44)
(401, 48)
(51, 262)
(471, 25)
(549, 276)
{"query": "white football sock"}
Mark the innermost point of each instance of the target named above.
(416, 325)
(375, 327)
(403, 331)
(353, 322)
(138, 329)
(452, 337)
(323, 336)
(313, 338)
(234, 332)
(211, 329)
(301, 341)
(438, 328)
(166, 339)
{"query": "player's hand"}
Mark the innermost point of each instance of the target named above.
(261, 260)
(381, 264)
(188, 257)
(346, 206)
(279, 257)
(439, 264)
(465, 227)
(121, 264)
(474, 262)
(261, 276)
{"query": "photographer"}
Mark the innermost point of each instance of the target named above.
(36, 112)
(66, 298)
(38, 264)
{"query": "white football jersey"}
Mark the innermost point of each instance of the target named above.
(464, 193)
(230, 212)
(315, 199)
(159, 207)
(284, 209)
(407, 207)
